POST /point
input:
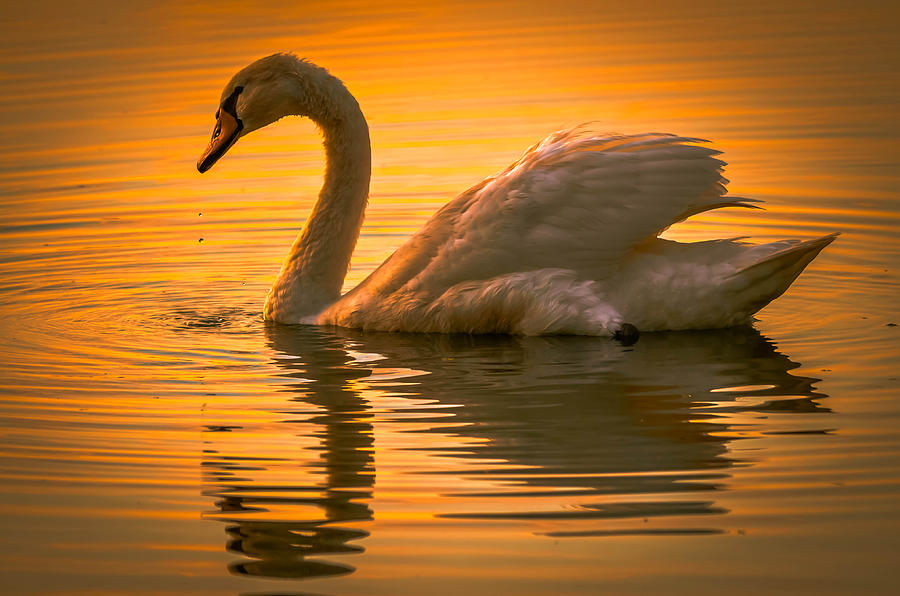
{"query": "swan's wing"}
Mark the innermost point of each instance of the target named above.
(574, 201)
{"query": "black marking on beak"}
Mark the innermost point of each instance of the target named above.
(225, 134)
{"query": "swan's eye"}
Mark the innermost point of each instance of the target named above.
(218, 129)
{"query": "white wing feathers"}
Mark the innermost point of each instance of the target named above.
(574, 202)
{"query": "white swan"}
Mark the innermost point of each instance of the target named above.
(562, 241)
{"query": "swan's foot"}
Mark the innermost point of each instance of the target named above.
(628, 334)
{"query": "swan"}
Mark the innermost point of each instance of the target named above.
(563, 241)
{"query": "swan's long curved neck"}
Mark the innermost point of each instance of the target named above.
(314, 270)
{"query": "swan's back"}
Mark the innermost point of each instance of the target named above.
(565, 241)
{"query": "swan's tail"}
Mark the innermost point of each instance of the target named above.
(767, 278)
(705, 285)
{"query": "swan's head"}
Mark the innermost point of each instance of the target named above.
(257, 96)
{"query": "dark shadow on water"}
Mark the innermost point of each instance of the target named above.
(631, 433)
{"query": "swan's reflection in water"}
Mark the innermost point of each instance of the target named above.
(343, 470)
(582, 433)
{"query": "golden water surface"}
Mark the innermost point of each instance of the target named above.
(158, 437)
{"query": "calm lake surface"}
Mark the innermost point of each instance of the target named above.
(158, 437)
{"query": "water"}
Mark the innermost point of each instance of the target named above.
(159, 437)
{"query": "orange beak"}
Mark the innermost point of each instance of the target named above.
(223, 137)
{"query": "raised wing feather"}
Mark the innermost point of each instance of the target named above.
(574, 201)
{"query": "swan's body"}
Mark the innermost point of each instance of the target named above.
(563, 241)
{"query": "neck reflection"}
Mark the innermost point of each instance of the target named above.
(342, 472)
